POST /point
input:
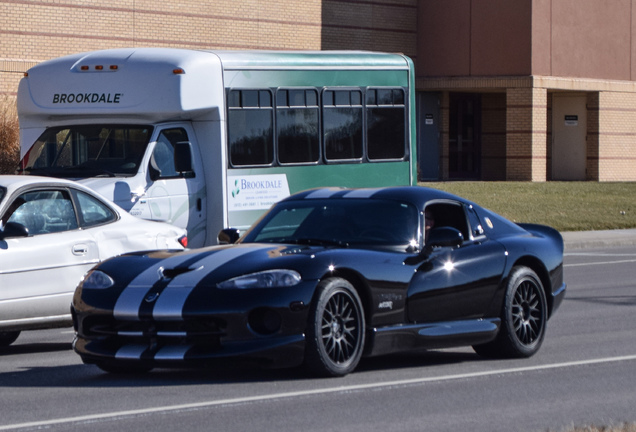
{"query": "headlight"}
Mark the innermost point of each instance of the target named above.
(96, 279)
(264, 279)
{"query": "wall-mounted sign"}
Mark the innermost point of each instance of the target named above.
(428, 119)
(571, 120)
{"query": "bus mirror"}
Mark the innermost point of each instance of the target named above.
(183, 157)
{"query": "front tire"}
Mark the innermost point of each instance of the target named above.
(7, 338)
(336, 329)
(523, 320)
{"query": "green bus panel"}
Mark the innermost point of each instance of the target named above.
(252, 191)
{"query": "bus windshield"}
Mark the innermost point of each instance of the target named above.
(88, 151)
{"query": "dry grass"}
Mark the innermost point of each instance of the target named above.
(566, 206)
(9, 135)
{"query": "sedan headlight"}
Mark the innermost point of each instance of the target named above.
(264, 279)
(97, 279)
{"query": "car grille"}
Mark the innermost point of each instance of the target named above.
(198, 331)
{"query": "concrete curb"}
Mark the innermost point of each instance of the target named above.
(592, 239)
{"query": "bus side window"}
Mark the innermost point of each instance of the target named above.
(250, 127)
(297, 125)
(342, 118)
(386, 119)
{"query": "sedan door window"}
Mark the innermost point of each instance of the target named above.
(43, 212)
(92, 211)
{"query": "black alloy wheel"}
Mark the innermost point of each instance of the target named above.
(524, 318)
(335, 335)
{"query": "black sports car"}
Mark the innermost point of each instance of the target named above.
(325, 277)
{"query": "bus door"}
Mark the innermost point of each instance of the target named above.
(175, 197)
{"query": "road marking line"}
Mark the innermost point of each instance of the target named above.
(287, 395)
(600, 262)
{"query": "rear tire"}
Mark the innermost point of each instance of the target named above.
(7, 338)
(523, 320)
(336, 329)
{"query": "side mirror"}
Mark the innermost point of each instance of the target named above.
(228, 236)
(183, 157)
(444, 237)
(13, 229)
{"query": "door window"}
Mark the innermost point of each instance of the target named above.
(92, 211)
(43, 212)
(163, 153)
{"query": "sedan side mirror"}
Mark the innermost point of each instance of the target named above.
(228, 236)
(444, 237)
(13, 229)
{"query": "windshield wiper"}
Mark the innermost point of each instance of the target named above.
(315, 241)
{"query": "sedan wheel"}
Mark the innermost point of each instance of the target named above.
(335, 334)
(523, 320)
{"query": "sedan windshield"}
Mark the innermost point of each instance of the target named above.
(88, 151)
(341, 222)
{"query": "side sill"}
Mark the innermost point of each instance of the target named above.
(447, 334)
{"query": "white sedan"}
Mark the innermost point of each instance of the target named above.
(52, 232)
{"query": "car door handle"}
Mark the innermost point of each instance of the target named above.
(80, 249)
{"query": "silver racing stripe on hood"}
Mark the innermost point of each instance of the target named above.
(169, 305)
(127, 305)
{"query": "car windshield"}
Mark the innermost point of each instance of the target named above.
(3, 192)
(88, 151)
(343, 222)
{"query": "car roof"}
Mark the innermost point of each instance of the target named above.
(417, 195)
(14, 182)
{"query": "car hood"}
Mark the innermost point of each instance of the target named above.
(208, 265)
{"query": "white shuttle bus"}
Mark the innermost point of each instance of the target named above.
(208, 140)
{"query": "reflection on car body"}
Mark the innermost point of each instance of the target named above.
(325, 277)
(51, 232)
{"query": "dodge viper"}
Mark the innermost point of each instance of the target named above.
(326, 277)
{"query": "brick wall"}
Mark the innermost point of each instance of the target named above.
(36, 30)
(526, 129)
(613, 147)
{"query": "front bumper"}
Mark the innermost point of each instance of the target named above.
(280, 351)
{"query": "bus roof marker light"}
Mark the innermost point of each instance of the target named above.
(178, 71)
(99, 67)
(114, 67)
(84, 68)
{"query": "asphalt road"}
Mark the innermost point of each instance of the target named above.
(583, 374)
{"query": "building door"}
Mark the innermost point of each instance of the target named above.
(569, 130)
(428, 136)
(464, 147)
